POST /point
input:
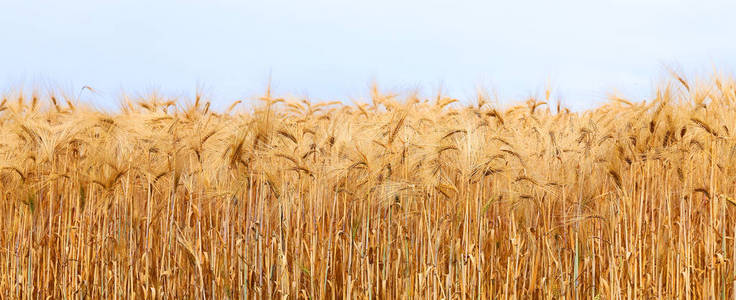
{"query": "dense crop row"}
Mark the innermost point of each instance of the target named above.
(398, 198)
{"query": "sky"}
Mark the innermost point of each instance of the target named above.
(334, 50)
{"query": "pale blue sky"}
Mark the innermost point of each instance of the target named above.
(334, 49)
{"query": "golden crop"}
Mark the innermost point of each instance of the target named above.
(397, 198)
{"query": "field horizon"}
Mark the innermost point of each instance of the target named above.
(401, 197)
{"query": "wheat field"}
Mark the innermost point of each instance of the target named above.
(401, 197)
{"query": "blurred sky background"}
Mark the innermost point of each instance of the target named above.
(330, 50)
